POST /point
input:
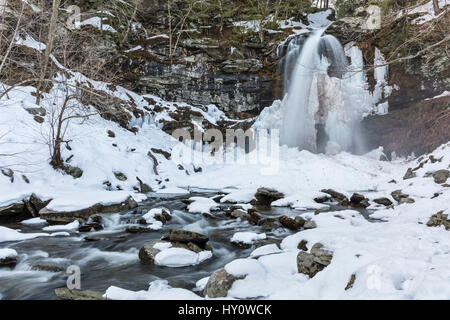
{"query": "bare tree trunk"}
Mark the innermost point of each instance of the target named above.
(49, 48)
(8, 51)
(436, 7)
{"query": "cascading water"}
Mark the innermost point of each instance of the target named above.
(325, 96)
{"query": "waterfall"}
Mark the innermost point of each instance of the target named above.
(325, 96)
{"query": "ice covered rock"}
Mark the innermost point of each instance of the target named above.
(383, 201)
(67, 294)
(293, 224)
(265, 196)
(359, 200)
(8, 258)
(173, 254)
(185, 236)
(219, 283)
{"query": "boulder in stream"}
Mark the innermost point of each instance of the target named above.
(84, 214)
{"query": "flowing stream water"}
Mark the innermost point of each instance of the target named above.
(110, 257)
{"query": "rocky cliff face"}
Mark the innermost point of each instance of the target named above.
(207, 71)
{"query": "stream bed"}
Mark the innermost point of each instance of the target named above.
(110, 257)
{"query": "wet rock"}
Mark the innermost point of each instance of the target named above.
(441, 176)
(137, 229)
(310, 225)
(398, 195)
(185, 236)
(268, 224)
(238, 213)
(219, 283)
(12, 212)
(254, 216)
(84, 214)
(314, 262)
(8, 262)
(241, 245)
(266, 196)
(409, 174)
(293, 224)
(90, 227)
(111, 134)
(120, 176)
(439, 219)
(356, 198)
(384, 201)
(67, 294)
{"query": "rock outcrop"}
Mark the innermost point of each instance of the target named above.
(219, 283)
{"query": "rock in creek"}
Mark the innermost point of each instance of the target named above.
(337, 196)
(185, 236)
(219, 283)
(312, 263)
(293, 224)
(266, 196)
(359, 200)
(67, 294)
(84, 214)
(383, 201)
(8, 262)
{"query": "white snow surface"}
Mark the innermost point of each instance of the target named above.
(7, 234)
(180, 257)
(158, 290)
(202, 205)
